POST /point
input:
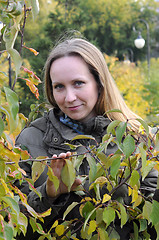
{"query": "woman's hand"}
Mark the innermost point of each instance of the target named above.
(57, 166)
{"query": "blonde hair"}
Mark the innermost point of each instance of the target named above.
(110, 97)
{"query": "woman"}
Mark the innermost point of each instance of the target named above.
(81, 90)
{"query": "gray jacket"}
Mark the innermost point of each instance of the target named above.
(47, 136)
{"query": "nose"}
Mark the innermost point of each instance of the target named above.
(70, 95)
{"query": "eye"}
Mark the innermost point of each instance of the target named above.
(78, 83)
(58, 86)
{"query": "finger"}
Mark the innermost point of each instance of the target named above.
(54, 156)
(68, 154)
(76, 183)
(62, 155)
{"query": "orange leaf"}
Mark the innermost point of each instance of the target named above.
(21, 195)
(32, 50)
(33, 88)
(32, 77)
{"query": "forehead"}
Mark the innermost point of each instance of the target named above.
(69, 64)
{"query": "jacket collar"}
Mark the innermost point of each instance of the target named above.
(93, 126)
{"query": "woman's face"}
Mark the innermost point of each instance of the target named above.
(74, 87)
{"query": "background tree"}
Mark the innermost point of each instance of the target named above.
(110, 29)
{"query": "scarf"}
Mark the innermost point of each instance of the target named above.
(77, 127)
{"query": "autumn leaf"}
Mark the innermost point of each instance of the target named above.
(33, 88)
(32, 76)
(32, 50)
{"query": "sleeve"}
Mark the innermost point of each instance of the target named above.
(149, 185)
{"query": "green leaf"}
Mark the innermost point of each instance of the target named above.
(103, 158)
(144, 124)
(108, 215)
(147, 169)
(87, 209)
(1, 126)
(31, 187)
(124, 216)
(147, 210)
(12, 123)
(12, 204)
(143, 225)
(93, 168)
(154, 216)
(12, 100)
(53, 178)
(36, 226)
(103, 234)
(37, 169)
(70, 207)
(157, 230)
(83, 137)
(120, 131)
(68, 174)
(2, 191)
(9, 36)
(15, 56)
(115, 164)
(128, 145)
(8, 232)
(143, 155)
(135, 231)
(35, 8)
(113, 235)
(99, 215)
(91, 215)
(112, 125)
(134, 179)
(23, 222)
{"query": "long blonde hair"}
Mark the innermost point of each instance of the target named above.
(110, 97)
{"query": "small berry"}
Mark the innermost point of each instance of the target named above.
(151, 147)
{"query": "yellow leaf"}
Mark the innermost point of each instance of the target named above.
(1, 218)
(92, 226)
(45, 214)
(75, 238)
(138, 201)
(134, 194)
(8, 154)
(129, 191)
(3, 188)
(59, 230)
(37, 169)
(106, 198)
(55, 224)
(21, 115)
(141, 129)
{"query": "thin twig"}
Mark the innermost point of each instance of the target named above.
(44, 159)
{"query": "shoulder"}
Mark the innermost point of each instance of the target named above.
(33, 134)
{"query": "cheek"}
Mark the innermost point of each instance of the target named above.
(58, 98)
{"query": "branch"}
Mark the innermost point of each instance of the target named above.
(43, 159)
(98, 160)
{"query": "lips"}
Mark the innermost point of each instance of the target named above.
(73, 108)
